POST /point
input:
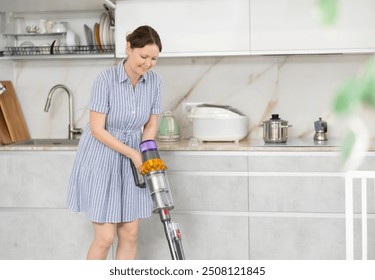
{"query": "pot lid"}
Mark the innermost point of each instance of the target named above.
(215, 112)
(275, 119)
(225, 107)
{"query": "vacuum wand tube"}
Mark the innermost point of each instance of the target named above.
(156, 180)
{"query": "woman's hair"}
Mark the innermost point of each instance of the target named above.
(142, 36)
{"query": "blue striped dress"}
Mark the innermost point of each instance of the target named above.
(101, 184)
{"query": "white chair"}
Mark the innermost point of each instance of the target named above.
(350, 176)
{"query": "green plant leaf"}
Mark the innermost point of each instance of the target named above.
(348, 97)
(347, 146)
(368, 96)
(328, 10)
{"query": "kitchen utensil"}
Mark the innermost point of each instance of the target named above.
(19, 23)
(42, 26)
(4, 132)
(32, 29)
(168, 128)
(275, 130)
(59, 28)
(88, 35)
(72, 40)
(96, 32)
(54, 47)
(12, 123)
(218, 123)
(110, 14)
(49, 26)
(321, 129)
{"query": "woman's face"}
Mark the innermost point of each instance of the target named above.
(142, 59)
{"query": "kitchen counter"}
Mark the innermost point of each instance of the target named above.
(251, 203)
(294, 144)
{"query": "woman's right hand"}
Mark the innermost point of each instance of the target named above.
(136, 158)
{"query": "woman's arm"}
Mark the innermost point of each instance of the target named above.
(150, 128)
(97, 126)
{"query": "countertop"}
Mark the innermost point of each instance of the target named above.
(292, 145)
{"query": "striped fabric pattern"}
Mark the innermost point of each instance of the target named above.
(101, 183)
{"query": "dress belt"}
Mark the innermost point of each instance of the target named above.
(126, 136)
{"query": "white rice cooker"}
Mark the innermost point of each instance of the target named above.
(218, 123)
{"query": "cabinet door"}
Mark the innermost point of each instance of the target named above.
(294, 26)
(188, 27)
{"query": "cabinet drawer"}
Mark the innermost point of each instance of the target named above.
(303, 194)
(297, 194)
(304, 238)
(287, 238)
(209, 193)
(296, 162)
(205, 161)
(303, 162)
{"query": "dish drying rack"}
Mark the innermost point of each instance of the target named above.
(58, 50)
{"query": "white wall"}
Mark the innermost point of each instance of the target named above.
(299, 88)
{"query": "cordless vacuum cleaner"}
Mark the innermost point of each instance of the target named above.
(154, 177)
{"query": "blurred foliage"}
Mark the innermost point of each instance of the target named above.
(347, 145)
(356, 92)
(328, 10)
(352, 96)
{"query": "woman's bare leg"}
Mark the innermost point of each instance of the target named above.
(104, 235)
(127, 240)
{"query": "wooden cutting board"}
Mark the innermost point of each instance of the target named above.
(12, 123)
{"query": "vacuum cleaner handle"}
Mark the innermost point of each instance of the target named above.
(138, 177)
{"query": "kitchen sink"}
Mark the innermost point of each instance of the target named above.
(49, 142)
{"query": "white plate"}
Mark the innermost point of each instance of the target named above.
(101, 28)
(106, 31)
(27, 44)
(111, 37)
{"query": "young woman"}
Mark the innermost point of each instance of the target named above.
(124, 108)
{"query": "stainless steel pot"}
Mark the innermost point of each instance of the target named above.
(275, 130)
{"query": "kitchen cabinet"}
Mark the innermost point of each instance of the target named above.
(229, 205)
(33, 220)
(48, 5)
(297, 206)
(38, 46)
(294, 27)
(210, 194)
(188, 27)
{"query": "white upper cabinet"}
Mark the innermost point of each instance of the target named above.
(188, 27)
(49, 5)
(294, 27)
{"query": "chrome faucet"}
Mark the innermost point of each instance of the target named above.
(72, 131)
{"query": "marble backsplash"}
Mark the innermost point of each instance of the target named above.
(299, 88)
